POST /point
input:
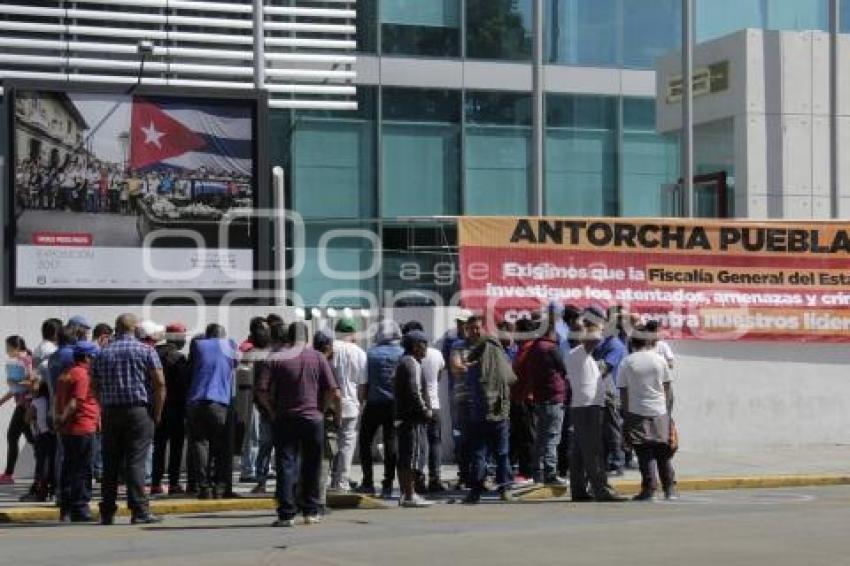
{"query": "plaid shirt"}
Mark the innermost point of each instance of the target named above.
(122, 371)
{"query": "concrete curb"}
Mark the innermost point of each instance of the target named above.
(632, 487)
(191, 507)
(356, 501)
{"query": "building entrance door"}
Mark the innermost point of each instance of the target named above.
(711, 197)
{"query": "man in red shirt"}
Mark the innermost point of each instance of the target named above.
(77, 417)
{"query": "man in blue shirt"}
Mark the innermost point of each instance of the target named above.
(213, 360)
(381, 362)
(609, 354)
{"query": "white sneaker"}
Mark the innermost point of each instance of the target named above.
(312, 520)
(416, 501)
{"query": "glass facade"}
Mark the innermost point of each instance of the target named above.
(581, 151)
(499, 29)
(649, 162)
(497, 153)
(716, 18)
(335, 151)
(420, 152)
(611, 33)
(420, 27)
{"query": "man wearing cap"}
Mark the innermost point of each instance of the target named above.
(77, 417)
(213, 360)
(171, 433)
(381, 361)
(411, 414)
(128, 379)
(430, 443)
(349, 366)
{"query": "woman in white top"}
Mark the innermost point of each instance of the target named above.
(646, 395)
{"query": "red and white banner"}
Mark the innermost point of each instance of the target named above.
(701, 279)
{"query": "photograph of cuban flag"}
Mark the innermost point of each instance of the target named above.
(103, 172)
(189, 136)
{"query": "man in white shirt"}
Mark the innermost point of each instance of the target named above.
(349, 366)
(662, 348)
(588, 400)
(433, 365)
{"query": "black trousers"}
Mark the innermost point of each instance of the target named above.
(208, 444)
(45, 466)
(522, 438)
(652, 456)
(127, 438)
(378, 415)
(17, 427)
(587, 460)
(614, 458)
(170, 436)
(76, 474)
(566, 445)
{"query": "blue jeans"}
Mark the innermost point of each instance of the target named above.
(76, 475)
(250, 444)
(265, 445)
(489, 440)
(550, 421)
(97, 454)
(298, 438)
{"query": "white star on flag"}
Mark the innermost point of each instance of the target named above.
(152, 135)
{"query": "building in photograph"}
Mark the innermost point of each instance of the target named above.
(51, 128)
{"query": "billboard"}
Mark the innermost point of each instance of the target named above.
(131, 193)
(701, 279)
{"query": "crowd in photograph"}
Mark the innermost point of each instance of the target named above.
(566, 398)
(88, 185)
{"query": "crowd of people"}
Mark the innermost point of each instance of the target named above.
(567, 393)
(87, 185)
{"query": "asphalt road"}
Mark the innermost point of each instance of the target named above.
(753, 528)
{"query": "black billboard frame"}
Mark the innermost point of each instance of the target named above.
(261, 289)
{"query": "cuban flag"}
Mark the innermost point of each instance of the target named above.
(189, 134)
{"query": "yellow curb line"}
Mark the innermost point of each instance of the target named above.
(190, 507)
(631, 487)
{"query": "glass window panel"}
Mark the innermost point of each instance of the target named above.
(333, 161)
(499, 29)
(581, 147)
(797, 14)
(498, 153)
(844, 23)
(716, 18)
(342, 254)
(582, 32)
(367, 26)
(651, 28)
(420, 152)
(420, 263)
(649, 163)
(421, 27)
